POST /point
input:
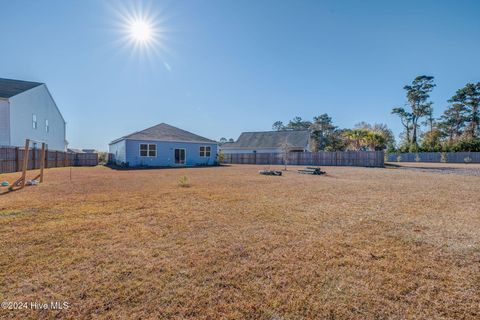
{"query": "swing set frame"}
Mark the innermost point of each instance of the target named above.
(20, 182)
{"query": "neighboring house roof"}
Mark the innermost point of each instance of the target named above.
(89, 150)
(10, 87)
(270, 139)
(165, 132)
(74, 150)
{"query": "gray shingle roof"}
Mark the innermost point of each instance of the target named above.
(165, 132)
(10, 87)
(75, 150)
(270, 139)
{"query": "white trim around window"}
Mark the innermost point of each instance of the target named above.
(147, 150)
(205, 151)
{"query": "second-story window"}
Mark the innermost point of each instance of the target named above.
(47, 128)
(34, 121)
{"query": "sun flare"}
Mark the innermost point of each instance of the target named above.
(140, 31)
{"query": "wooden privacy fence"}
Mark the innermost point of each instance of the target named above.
(337, 158)
(11, 159)
(445, 157)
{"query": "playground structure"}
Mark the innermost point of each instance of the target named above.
(21, 182)
(22, 159)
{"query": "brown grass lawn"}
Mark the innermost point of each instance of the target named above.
(358, 243)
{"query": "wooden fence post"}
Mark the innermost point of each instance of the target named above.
(42, 162)
(25, 162)
(34, 158)
(17, 159)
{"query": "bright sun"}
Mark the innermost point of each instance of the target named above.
(141, 31)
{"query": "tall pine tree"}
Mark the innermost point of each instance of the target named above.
(468, 97)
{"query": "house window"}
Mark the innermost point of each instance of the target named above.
(47, 128)
(152, 150)
(34, 121)
(205, 151)
(148, 150)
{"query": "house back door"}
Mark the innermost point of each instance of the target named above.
(179, 156)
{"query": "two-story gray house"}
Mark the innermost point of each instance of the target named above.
(27, 110)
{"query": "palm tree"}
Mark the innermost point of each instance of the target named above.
(374, 140)
(358, 139)
(355, 138)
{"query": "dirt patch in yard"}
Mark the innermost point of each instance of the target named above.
(356, 243)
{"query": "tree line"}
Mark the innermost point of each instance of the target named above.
(325, 136)
(457, 129)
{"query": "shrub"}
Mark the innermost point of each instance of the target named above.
(443, 157)
(183, 182)
(467, 159)
(467, 144)
(413, 148)
(220, 158)
(391, 148)
(102, 157)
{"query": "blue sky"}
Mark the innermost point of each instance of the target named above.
(228, 66)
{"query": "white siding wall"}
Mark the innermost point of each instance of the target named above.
(39, 102)
(4, 123)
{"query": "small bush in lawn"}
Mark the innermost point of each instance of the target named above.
(183, 182)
